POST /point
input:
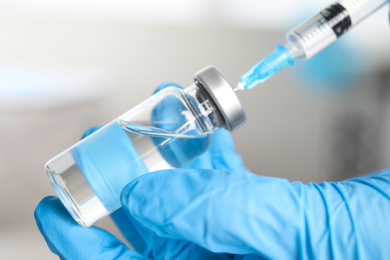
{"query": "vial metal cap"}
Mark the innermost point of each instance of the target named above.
(223, 95)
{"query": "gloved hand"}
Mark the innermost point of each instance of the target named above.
(217, 209)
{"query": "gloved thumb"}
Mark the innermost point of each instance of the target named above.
(220, 211)
(249, 214)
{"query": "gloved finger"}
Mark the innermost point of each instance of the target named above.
(90, 131)
(251, 214)
(68, 240)
(220, 156)
(151, 245)
(205, 207)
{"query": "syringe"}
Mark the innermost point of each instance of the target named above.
(310, 37)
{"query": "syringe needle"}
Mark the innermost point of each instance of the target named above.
(267, 67)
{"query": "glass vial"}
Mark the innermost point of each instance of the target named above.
(167, 130)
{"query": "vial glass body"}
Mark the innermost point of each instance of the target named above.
(168, 130)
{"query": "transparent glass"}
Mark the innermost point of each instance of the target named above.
(168, 130)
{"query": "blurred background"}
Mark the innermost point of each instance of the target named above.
(68, 65)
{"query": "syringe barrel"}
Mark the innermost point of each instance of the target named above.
(360, 9)
(312, 36)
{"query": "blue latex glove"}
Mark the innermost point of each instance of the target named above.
(217, 209)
